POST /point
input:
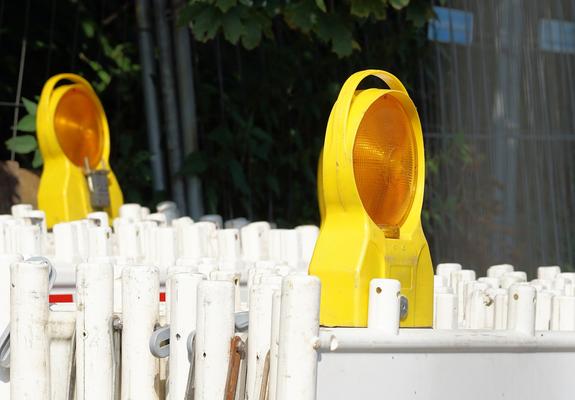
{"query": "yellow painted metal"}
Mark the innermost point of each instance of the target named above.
(72, 130)
(372, 181)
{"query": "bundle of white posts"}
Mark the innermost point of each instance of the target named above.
(504, 299)
(240, 318)
(98, 346)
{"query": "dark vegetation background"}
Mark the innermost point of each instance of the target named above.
(266, 75)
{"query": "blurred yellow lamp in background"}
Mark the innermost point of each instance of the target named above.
(371, 188)
(75, 143)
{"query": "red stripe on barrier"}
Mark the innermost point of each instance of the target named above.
(68, 298)
(61, 298)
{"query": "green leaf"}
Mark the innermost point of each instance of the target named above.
(238, 176)
(273, 183)
(232, 27)
(206, 24)
(38, 160)
(252, 36)
(89, 28)
(225, 5)
(332, 28)
(398, 4)
(22, 144)
(321, 5)
(194, 164)
(30, 106)
(366, 8)
(419, 14)
(27, 123)
(301, 16)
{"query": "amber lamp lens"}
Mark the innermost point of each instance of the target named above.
(78, 128)
(385, 162)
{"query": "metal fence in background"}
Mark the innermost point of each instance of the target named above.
(496, 98)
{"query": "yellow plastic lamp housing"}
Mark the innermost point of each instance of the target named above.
(372, 180)
(74, 139)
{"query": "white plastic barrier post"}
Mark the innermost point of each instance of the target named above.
(445, 311)
(543, 310)
(229, 250)
(298, 340)
(566, 313)
(29, 340)
(166, 250)
(233, 277)
(99, 218)
(28, 239)
(307, 237)
(497, 271)
(384, 303)
(255, 241)
(215, 329)
(148, 231)
(99, 241)
(521, 314)
(65, 240)
(501, 308)
(182, 298)
(140, 304)
(95, 306)
(131, 212)
(259, 335)
(199, 239)
(548, 273)
(128, 243)
(5, 261)
(274, 343)
(458, 281)
(20, 210)
(445, 269)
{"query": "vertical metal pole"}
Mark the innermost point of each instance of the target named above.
(170, 103)
(507, 116)
(150, 101)
(187, 97)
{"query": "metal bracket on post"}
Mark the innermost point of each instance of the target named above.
(160, 342)
(191, 345)
(237, 353)
(403, 307)
(242, 321)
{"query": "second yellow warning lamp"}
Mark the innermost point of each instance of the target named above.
(75, 143)
(372, 177)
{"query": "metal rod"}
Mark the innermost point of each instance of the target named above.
(170, 105)
(187, 98)
(18, 92)
(150, 101)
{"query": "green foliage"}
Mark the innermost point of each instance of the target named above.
(22, 144)
(97, 40)
(262, 112)
(26, 144)
(246, 22)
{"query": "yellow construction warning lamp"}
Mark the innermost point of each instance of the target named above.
(75, 143)
(372, 177)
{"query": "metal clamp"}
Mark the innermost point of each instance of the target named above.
(403, 307)
(160, 342)
(190, 388)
